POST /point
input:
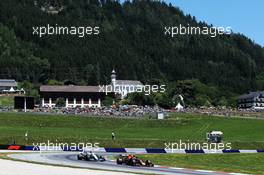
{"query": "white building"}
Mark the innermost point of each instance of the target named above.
(7, 84)
(74, 96)
(251, 100)
(124, 87)
(86, 96)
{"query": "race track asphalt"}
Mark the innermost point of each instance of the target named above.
(70, 159)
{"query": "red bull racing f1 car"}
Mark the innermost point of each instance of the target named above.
(132, 160)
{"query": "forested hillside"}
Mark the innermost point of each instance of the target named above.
(131, 40)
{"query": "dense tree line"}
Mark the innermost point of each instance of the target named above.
(131, 40)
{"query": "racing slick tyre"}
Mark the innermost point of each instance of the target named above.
(149, 163)
(119, 161)
(102, 159)
(133, 162)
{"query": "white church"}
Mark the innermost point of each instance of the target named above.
(123, 87)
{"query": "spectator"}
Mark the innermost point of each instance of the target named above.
(113, 135)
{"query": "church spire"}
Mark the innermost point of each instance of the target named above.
(113, 76)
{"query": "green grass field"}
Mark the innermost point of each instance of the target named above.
(240, 163)
(242, 133)
(6, 101)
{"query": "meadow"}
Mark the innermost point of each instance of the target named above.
(6, 101)
(239, 163)
(241, 133)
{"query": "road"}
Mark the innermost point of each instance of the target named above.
(70, 159)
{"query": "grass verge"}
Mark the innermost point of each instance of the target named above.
(240, 163)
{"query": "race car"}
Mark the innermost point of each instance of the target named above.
(90, 156)
(132, 160)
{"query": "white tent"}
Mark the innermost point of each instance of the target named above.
(12, 89)
(179, 107)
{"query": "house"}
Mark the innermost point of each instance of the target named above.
(7, 85)
(74, 96)
(124, 87)
(251, 100)
(86, 96)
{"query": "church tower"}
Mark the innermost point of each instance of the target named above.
(113, 77)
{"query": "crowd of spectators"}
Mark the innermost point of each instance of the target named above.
(225, 111)
(5, 109)
(138, 111)
(125, 110)
(210, 110)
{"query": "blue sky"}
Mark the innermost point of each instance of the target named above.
(244, 16)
